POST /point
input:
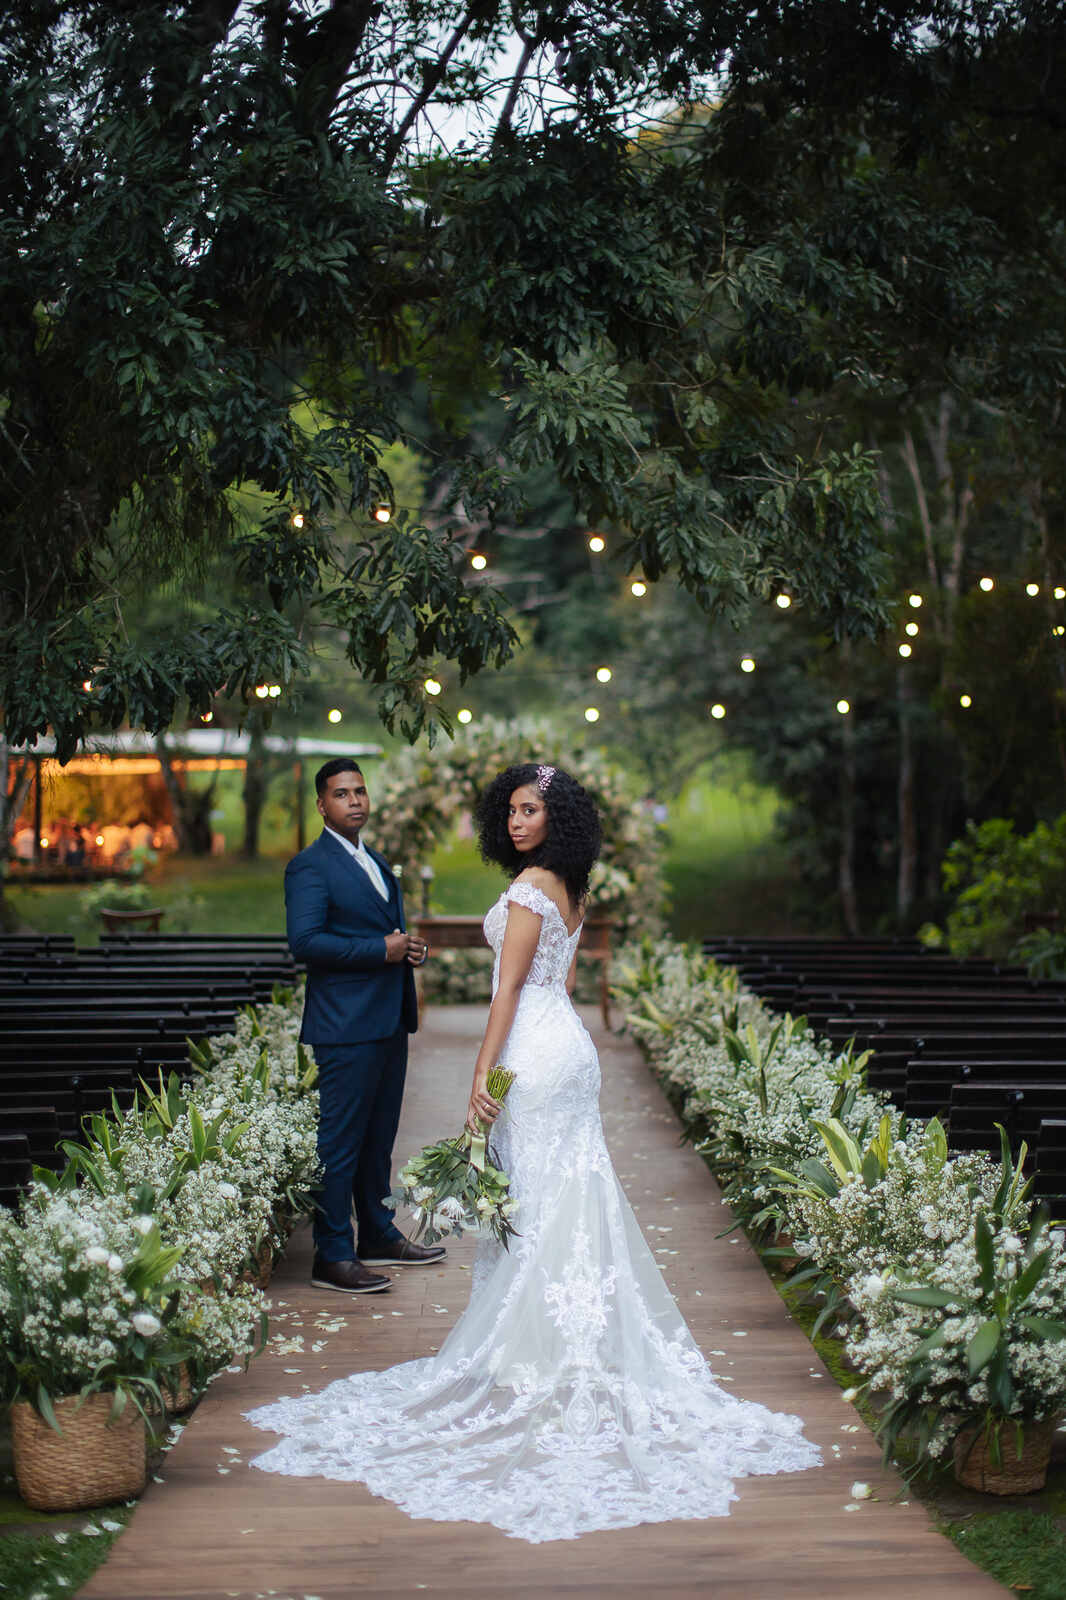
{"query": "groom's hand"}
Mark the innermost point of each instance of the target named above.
(405, 947)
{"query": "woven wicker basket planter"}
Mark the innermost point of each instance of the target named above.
(90, 1463)
(183, 1396)
(1014, 1473)
(261, 1273)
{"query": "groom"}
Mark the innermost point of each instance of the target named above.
(345, 920)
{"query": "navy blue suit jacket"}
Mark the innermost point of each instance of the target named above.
(337, 923)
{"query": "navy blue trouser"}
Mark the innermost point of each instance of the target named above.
(360, 1089)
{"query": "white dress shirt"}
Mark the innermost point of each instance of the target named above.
(360, 853)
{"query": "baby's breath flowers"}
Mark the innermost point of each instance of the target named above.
(453, 1187)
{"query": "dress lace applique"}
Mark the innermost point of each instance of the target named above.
(570, 1396)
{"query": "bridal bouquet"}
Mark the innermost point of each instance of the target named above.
(453, 1187)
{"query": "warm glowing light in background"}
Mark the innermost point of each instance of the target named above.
(638, 588)
(965, 701)
(208, 716)
(911, 628)
(431, 686)
(334, 715)
(988, 584)
(597, 543)
(297, 519)
(383, 513)
(1060, 593)
(784, 601)
(747, 663)
(261, 691)
(904, 650)
(1032, 589)
(843, 706)
(591, 714)
(914, 600)
(718, 712)
(603, 674)
(465, 715)
(479, 562)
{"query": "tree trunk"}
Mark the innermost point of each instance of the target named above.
(255, 787)
(846, 858)
(16, 774)
(906, 811)
(191, 809)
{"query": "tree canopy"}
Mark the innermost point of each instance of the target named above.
(235, 244)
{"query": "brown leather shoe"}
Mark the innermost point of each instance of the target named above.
(402, 1253)
(349, 1277)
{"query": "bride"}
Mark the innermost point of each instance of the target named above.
(570, 1396)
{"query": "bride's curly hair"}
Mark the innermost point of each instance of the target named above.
(574, 832)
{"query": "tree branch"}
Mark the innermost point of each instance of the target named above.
(431, 84)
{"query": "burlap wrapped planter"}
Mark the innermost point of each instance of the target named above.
(975, 1467)
(91, 1462)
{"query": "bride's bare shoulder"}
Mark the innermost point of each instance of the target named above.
(541, 878)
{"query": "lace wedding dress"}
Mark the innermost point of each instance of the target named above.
(570, 1396)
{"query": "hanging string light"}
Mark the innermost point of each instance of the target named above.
(603, 674)
(784, 601)
(464, 716)
(432, 686)
(911, 628)
(297, 520)
(1059, 592)
(597, 543)
(591, 714)
(718, 712)
(478, 561)
(1032, 589)
(747, 663)
(965, 701)
(638, 588)
(843, 706)
(261, 691)
(987, 584)
(914, 600)
(334, 715)
(382, 512)
(905, 651)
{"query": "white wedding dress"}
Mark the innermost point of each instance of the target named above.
(570, 1395)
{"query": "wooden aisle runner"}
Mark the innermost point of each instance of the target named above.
(217, 1528)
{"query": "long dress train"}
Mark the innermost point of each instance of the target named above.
(570, 1396)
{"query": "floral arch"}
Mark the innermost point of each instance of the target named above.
(419, 794)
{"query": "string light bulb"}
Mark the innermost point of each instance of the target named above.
(784, 601)
(988, 584)
(843, 706)
(99, 838)
(261, 691)
(638, 588)
(382, 512)
(603, 674)
(912, 629)
(208, 716)
(297, 519)
(905, 651)
(718, 712)
(464, 716)
(1059, 592)
(1032, 589)
(274, 690)
(334, 715)
(965, 701)
(1058, 630)
(747, 663)
(597, 544)
(591, 714)
(914, 600)
(478, 561)
(432, 686)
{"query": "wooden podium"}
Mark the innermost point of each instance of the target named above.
(466, 933)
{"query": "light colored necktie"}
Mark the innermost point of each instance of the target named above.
(372, 870)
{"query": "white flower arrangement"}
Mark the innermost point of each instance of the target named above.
(132, 1260)
(949, 1299)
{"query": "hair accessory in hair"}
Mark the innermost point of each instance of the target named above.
(544, 778)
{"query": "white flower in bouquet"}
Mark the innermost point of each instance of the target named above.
(146, 1323)
(452, 1188)
(96, 1255)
